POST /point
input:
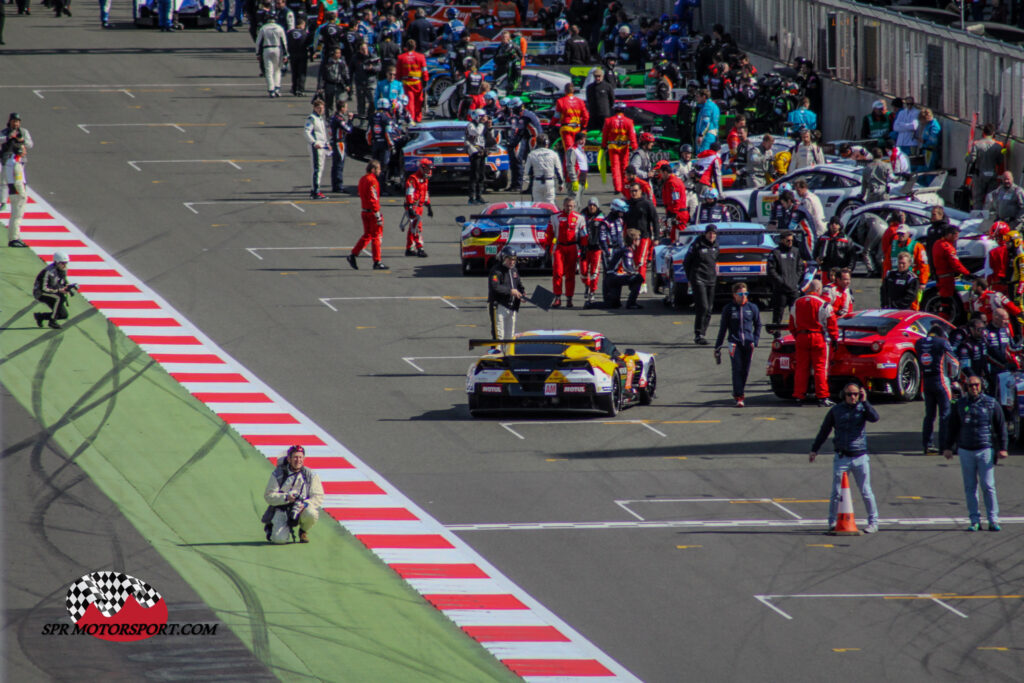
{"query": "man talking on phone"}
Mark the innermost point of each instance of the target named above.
(849, 418)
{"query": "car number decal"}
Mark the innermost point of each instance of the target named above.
(784, 363)
(550, 389)
(491, 249)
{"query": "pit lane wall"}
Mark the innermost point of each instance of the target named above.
(866, 53)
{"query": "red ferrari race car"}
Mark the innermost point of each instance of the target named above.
(875, 348)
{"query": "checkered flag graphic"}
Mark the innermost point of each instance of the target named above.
(108, 591)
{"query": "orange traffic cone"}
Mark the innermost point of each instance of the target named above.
(845, 523)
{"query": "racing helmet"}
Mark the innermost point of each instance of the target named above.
(1015, 239)
(506, 252)
(999, 231)
(451, 13)
(491, 95)
(710, 194)
(561, 25)
(646, 137)
(619, 204)
(624, 29)
(426, 167)
(387, 33)
(515, 103)
(404, 100)
(683, 149)
(383, 103)
(619, 106)
(663, 163)
(478, 114)
(60, 257)
(785, 187)
(505, 101)
(674, 28)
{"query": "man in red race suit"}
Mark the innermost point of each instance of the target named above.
(412, 71)
(571, 116)
(565, 232)
(417, 195)
(673, 198)
(373, 223)
(618, 139)
(947, 267)
(814, 326)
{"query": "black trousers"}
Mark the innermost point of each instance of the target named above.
(364, 98)
(476, 175)
(58, 304)
(740, 357)
(23, 6)
(703, 299)
(780, 302)
(299, 68)
(612, 289)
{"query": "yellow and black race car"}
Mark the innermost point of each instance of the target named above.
(564, 370)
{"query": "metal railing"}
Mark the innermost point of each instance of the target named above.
(953, 72)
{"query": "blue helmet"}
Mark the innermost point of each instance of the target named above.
(383, 103)
(561, 25)
(491, 95)
(620, 205)
(516, 103)
(478, 114)
(451, 13)
(505, 101)
(710, 194)
(674, 28)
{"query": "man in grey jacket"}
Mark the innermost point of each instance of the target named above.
(874, 183)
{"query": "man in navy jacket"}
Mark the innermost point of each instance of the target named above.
(741, 319)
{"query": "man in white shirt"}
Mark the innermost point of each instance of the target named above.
(271, 47)
(812, 205)
(316, 136)
(14, 181)
(905, 126)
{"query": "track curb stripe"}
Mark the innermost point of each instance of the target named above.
(520, 632)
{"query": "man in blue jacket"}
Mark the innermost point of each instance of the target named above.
(742, 320)
(977, 426)
(849, 419)
(938, 363)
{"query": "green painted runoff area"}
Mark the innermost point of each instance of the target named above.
(327, 610)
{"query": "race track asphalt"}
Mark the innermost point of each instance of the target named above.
(668, 602)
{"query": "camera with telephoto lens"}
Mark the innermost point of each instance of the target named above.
(73, 289)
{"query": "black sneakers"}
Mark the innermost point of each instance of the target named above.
(379, 265)
(351, 258)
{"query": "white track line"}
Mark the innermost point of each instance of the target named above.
(135, 164)
(410, 359)
(708, 524)
(766, 600)
(189, 205)
(325, 300)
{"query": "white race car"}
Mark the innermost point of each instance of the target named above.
(836, 185)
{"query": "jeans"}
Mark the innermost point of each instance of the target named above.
(226, 14)
(860, 468)
(165, 10)
(979, 466)
(337, 169)
(104, 12)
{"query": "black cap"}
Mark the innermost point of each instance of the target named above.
(14, 115)
(710, 228)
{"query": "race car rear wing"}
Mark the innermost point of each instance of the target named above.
(589, 343)
(911, 188)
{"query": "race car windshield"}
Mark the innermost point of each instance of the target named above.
(863, 326)
(448, 134)
(746, 238)
(552, 349)
(530, 215)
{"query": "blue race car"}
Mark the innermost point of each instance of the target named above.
(743, 258)
(443, 142)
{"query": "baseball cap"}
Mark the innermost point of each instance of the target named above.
(878, 104)
(904, 229)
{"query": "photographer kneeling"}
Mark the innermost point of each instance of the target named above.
(295, 496)
(51, 287)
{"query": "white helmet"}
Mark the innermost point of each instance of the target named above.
(60, 257)
(383, 103)
(478, 114)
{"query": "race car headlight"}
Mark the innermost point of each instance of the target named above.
(476, 232)
(776, 345)
(876, 347)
